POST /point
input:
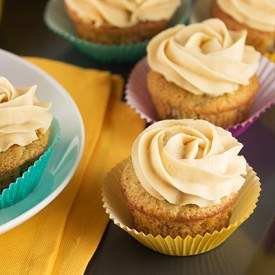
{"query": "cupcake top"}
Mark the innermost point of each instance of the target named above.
(188, 162)
(259, 15)
(123, 13)
(21, 115)
(203, 58)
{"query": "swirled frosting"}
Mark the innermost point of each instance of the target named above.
(123, 13)
(21, 115)
(203, 58)
(257, 14)
(188, 162)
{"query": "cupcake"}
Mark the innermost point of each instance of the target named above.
(257, 17)
(183, 178)
(202, 71)
(24, 130)
(119, 22)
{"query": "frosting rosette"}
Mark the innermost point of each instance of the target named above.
(21, 115)
(203, 58)
(188, 162)
(123, 13)
(259, 15)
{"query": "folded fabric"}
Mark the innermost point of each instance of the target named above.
(271, 56)
(63, 237)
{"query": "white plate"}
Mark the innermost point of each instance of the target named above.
(68, 151)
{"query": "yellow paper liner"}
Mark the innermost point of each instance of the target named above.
(270, 56)
(117, 209)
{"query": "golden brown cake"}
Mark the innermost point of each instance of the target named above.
(202, 71)
(182, 178)
(262, 39)
(24, 131)
(106, 22)
(172, 101)
(107, 34)
(17, 159)
(159, 217)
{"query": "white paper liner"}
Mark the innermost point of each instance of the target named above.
(139, 99)
(116, 208)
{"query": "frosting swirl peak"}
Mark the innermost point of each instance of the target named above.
(21, 115)
(259, 15)
(203, 58)
(188, 162)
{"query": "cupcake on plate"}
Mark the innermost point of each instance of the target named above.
(120, 22)
(257, 17)
(202, 71)
(24, 130)
(183, 178)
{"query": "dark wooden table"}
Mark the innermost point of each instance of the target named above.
(250, 250)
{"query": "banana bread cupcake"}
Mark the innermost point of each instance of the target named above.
(257, 17)
(24, 130)
(183, 178)
(202, 71)
(119, 22)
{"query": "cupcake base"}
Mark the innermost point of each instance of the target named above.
(262, 41)
(16, 160)
(117, 209)
(10, 176)
(173, 102)
(20, 188)
(107, 34)
(159, 217)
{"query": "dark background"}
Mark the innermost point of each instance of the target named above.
(23, 32)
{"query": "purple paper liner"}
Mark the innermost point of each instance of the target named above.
(139, 99)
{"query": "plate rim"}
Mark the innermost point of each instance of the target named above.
(33, 210)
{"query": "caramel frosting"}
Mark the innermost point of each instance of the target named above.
(203, 58)
(257, 14)
(21, 115)
(123, 13)
(188, 162)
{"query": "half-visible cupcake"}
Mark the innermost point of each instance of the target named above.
(183, 178)
(202, 71)
(257, 17)
(119, 22)
(24, 130)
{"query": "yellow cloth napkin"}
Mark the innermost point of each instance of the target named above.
(62, 238)
(271, 56)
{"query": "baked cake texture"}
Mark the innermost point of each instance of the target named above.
(202, 71)
(119, 22)
(182, 178)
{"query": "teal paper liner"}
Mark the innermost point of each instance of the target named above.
(25, 184)
(57, 20)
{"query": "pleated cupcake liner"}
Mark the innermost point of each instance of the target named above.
(57, 20)
(24, 185)
(139, 98)
(116, 207)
